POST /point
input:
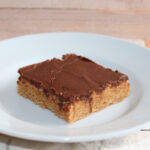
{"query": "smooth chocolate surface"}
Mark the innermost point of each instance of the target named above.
(71, 77)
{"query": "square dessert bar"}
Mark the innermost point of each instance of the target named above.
(72, 87)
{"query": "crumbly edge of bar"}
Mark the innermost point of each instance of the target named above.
(79, 108)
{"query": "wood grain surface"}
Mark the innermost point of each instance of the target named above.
(125, 24)
(79, 4)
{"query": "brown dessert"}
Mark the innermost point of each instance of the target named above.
(72, 87)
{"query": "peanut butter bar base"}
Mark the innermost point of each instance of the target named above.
(79, 108)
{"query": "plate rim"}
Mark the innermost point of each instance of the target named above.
(81, 33)
(75, 139)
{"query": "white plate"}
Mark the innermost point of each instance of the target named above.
(20, 117)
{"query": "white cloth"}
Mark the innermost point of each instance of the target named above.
(137, 141)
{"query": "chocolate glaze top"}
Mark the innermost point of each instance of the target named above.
(71, 77)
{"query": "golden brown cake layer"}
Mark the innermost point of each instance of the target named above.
(79, 108)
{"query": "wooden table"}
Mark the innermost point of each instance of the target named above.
(120, 18)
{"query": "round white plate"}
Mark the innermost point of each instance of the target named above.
(20, 117)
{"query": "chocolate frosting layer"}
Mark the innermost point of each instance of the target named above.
(71, 77)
